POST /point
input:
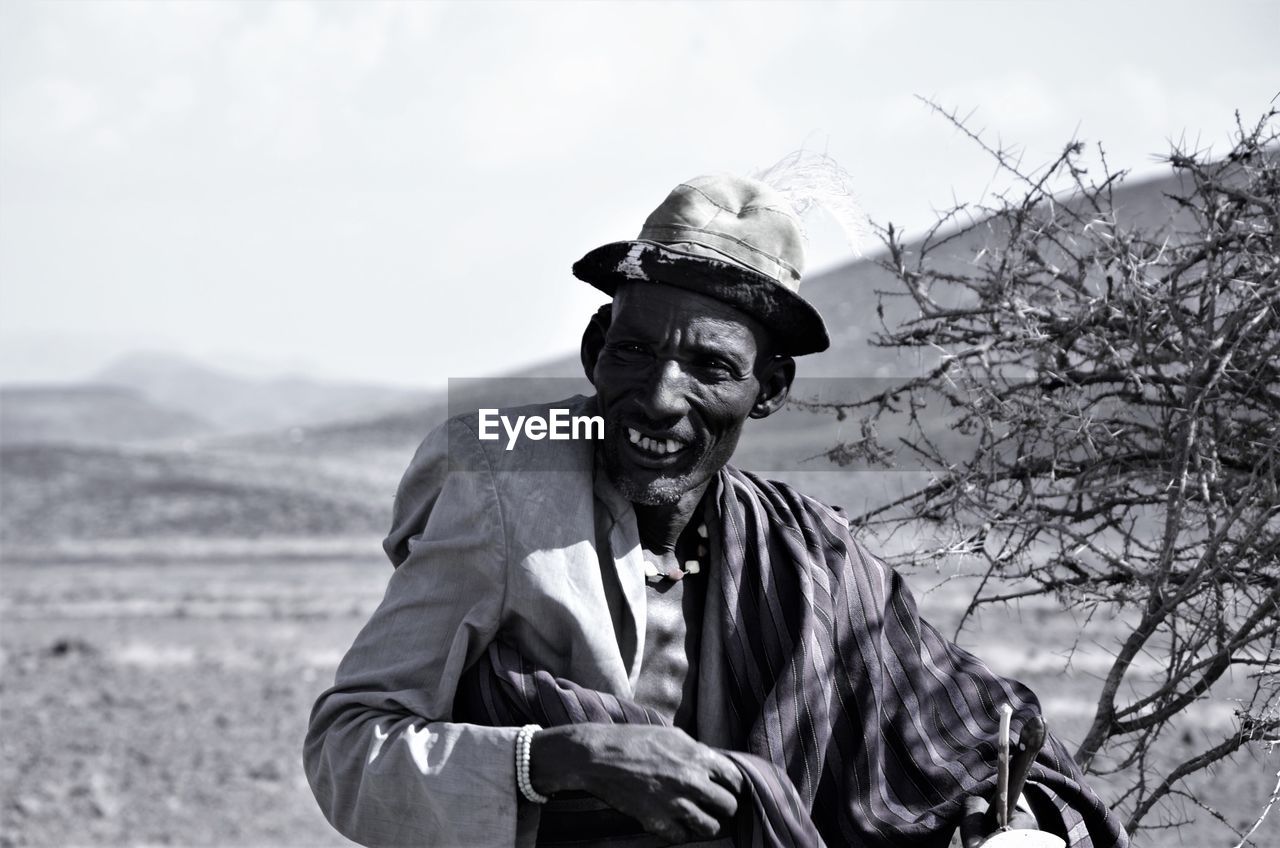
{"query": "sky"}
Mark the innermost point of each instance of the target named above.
(395, 192)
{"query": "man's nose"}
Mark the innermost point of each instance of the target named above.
(664, 396)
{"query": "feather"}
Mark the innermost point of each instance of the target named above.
(807, 179)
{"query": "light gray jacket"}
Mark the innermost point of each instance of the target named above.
(485, 540)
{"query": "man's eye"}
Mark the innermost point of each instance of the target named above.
(629, 350)
(716, 365)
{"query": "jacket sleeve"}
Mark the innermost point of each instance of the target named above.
(384, 761)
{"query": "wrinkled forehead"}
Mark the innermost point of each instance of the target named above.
(659, 308)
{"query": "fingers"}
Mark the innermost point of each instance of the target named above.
(700, 809)
(1024, 820)
(703, 808)
(724, 771)
(676, 787)
(668, 830)
(682, 822)
(696, 821)
(716, 801)
(723, 782)
(973, 826)
(977, 825)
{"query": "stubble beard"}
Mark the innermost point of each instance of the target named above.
(657, 491)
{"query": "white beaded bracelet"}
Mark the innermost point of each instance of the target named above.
(524, 740)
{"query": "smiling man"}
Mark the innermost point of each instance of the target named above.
(627, 641)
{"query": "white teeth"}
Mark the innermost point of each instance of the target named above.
(661, 446)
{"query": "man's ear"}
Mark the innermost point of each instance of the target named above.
(593, 339)
(775, 384)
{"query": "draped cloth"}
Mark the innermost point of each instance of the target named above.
(854, 722)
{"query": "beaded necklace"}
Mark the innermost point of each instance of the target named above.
(654, 574)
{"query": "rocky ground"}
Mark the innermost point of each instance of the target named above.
(162, 705)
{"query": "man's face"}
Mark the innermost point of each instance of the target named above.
(676, 380)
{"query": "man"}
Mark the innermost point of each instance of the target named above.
(630, 642)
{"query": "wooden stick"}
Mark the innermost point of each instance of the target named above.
(1002, 779)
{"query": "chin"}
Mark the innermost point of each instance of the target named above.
(660, 491)
(647, 486)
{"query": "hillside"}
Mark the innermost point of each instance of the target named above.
(237, 404)
(90, 414)
(60, 495)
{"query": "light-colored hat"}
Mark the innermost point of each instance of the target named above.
(731, 238)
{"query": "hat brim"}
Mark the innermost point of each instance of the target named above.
(795, 326)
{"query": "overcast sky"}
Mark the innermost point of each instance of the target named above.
(396, 192)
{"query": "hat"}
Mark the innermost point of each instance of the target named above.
(731, 238)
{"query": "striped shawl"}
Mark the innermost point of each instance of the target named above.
(853, 720)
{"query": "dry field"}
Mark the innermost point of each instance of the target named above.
(153, 700)
(165, 703)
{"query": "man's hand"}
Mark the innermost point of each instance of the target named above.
(977, 826)
(678, 789)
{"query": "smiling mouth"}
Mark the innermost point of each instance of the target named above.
(652, 446)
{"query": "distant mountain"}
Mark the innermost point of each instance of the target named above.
(89, 414)
(238, 404)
